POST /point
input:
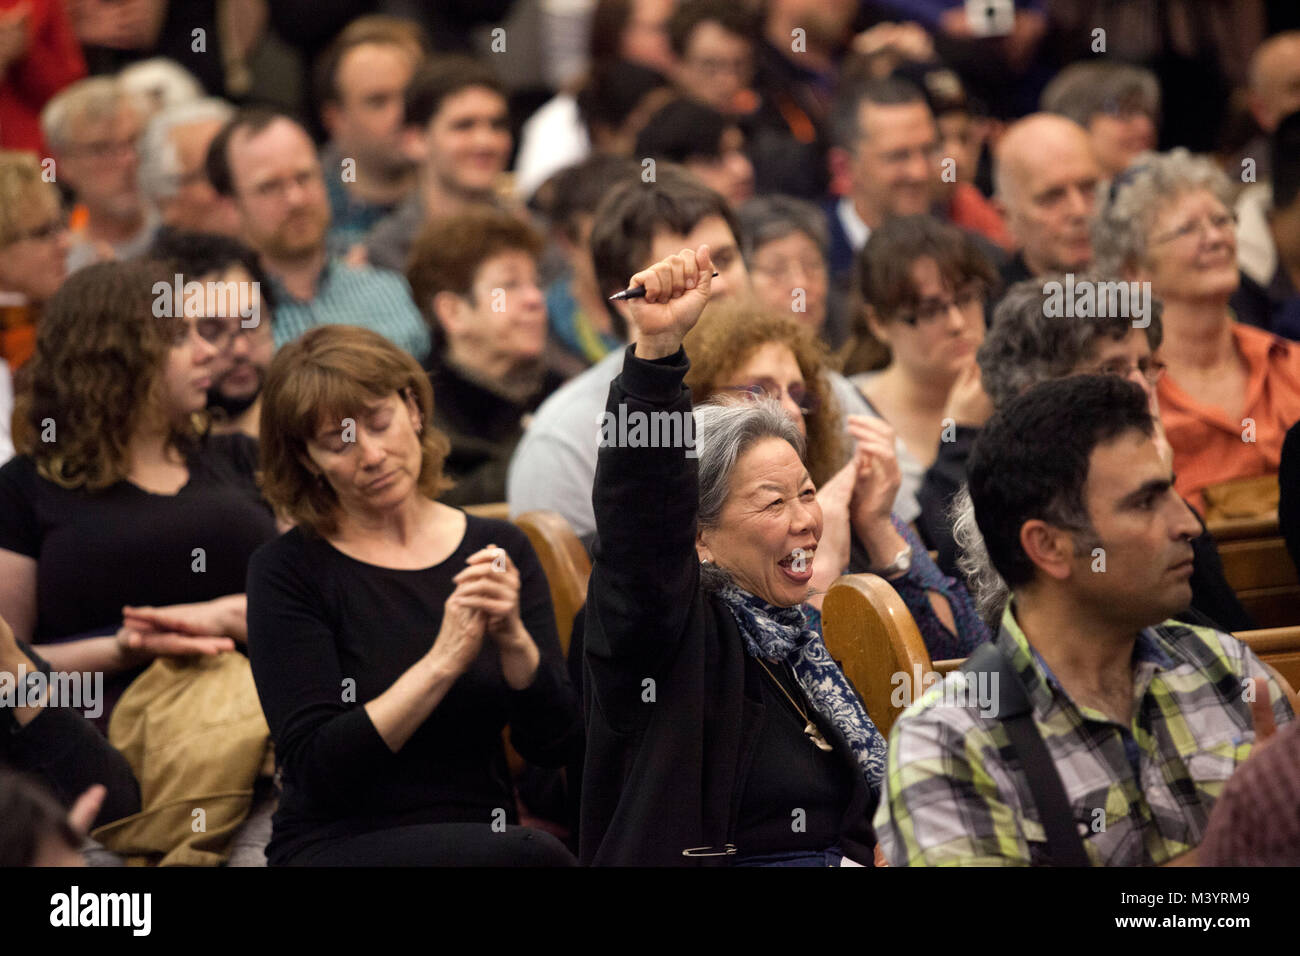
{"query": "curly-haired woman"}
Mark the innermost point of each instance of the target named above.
(119, 517)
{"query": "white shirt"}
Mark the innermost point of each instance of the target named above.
(6, 413)
(857, 230)
(551, 139)
(1256, 253)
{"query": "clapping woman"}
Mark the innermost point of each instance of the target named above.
(392, 637)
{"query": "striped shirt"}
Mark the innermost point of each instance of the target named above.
(374, 299)
(955, 793)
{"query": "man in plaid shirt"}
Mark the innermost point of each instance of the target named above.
(1145, 718)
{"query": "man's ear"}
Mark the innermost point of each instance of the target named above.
(1007, 219)
(1051, 549)
(231, 208)
(412, 143)
(1259, 109)
(878, 328)
(839, 163)
(329, 117)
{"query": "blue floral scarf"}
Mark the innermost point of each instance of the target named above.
(783, 633)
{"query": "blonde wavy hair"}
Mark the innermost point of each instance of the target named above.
(97, 375)
(21, 184)
(729, 335)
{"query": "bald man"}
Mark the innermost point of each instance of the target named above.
(1045, 179)
(1275, 79)
(1274, 92)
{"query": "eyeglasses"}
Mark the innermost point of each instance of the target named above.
(932, 311)
(50, 230)
(769, 388)
(930, 152)
(716, 67)
(785, 269)
(1150, 368)
(1126, 108)
(218, 332)
(1197, 227)
(106, 148)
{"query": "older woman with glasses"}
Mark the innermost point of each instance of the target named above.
(1029, 343)
(741, 354)
(1231, 391)
(719, 729)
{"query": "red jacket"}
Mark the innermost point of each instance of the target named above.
(53, 60)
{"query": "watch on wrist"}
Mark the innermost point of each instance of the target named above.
(901, 564)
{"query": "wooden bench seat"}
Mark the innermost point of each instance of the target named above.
(1259, 568)
(870, 632)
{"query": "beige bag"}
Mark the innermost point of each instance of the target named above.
(1241, 498)
(192, 729)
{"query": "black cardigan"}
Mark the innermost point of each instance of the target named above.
(673, 702)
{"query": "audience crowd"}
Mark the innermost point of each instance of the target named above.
(302, 308)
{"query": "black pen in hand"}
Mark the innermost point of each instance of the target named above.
(636, 292)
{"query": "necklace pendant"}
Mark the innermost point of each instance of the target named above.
(816, 736)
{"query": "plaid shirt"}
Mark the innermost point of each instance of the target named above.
(955, 794)
(375, 299)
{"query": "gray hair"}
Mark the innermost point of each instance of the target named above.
(1084, 89)
(159, 169)
(723, 433)
(986, 586)
(160, 83)
(1025, 346)
(98, 97)
(1126, 212)
(767, 219)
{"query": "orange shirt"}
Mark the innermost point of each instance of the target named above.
(970, 210)
(17, 334)
(1209, 446)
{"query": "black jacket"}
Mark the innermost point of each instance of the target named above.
(63, 750)
(483, 426)
(673, 702)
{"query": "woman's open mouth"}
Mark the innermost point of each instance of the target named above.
(797, 565)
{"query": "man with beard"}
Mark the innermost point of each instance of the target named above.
(234, 397)
(264, 164)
